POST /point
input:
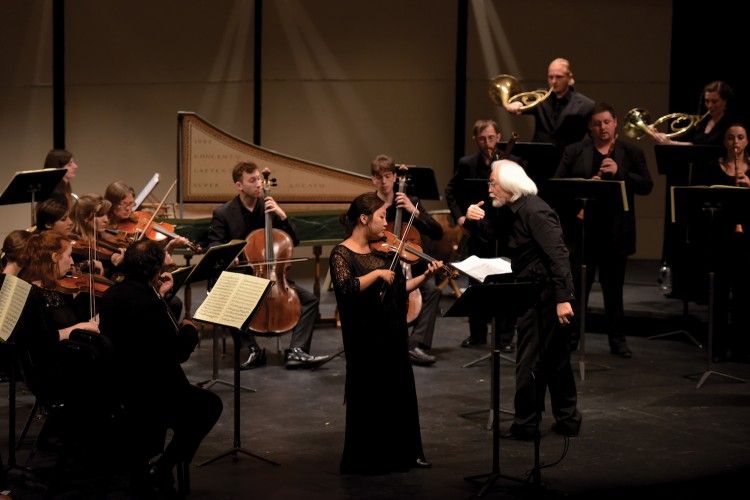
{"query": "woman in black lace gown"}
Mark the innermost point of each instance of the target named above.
(382, 417)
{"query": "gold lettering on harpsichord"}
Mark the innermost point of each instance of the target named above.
(209, 170)
(302, 185)
(216, 156)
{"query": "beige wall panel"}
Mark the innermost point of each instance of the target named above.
(342, 80)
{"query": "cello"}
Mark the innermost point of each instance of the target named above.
(409, 235)
(270, 252)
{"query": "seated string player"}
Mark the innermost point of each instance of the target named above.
(157, 395)
(236, 220)
(401, 206)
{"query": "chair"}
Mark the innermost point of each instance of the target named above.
(71, 383)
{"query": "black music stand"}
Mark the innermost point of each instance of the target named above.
(611, 196)
(215, 260)
(508, 299)
(421, 182)
(702, 203)
(540, 159)
(237, 448)
(679, 164)
(489, 279)
(31, 186)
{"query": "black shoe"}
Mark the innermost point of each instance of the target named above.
(419, 357)
(507, 348)
(623, 352)
(518, 434)
(257, 358)
(564, 430)
(296, 357)
(421, 463)
(471, 342)
(162, 480)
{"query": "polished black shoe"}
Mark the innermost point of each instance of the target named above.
(623, 352)
(472, 342)
(257, 358)
(421, 463)
(296, 357)
(564, 430)
(419, 357)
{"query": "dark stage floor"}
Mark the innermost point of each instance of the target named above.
(647, 427)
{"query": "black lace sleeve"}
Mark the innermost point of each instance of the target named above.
(342, 271)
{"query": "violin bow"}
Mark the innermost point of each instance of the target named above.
(157, 210)
(400, 248)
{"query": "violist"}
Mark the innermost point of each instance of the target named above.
(149, 348)
(90, 222)
(122, 198)
(48, 258)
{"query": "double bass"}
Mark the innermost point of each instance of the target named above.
(412, 236)
(269, 250)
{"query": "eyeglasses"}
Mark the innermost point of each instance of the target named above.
(492, 184)
(124, 205)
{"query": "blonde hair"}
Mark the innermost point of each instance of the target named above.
(564, 62)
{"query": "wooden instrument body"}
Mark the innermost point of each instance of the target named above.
(399, 229)
(273, 249)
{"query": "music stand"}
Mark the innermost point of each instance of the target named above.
(678, 164)
(694, 203)
(420, 182)
(511, 299)
(237, 447)
(540, 159)
(494, 278)
(214, 261)
(31, 186)
(611, 197)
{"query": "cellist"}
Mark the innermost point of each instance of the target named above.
(235, 220)
(384, 176)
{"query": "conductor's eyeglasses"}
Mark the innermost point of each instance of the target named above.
(492, 184)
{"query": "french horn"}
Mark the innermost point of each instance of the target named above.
(505, 89)
(638, 123)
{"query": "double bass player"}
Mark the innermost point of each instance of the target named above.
(235, 220)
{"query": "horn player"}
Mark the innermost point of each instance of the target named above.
(561, 119)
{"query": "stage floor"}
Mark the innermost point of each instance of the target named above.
(647, 428)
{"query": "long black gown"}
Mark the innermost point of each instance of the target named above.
(382, 417)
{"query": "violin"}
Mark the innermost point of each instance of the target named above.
(100, 250)
(84, 282)
(409, 253)
(141, 224)
(281, 309)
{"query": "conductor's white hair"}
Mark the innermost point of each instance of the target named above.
(513, 179)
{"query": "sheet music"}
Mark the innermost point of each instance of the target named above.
(233, 298)
(146, 190)
(479, 268)
(13, 296)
